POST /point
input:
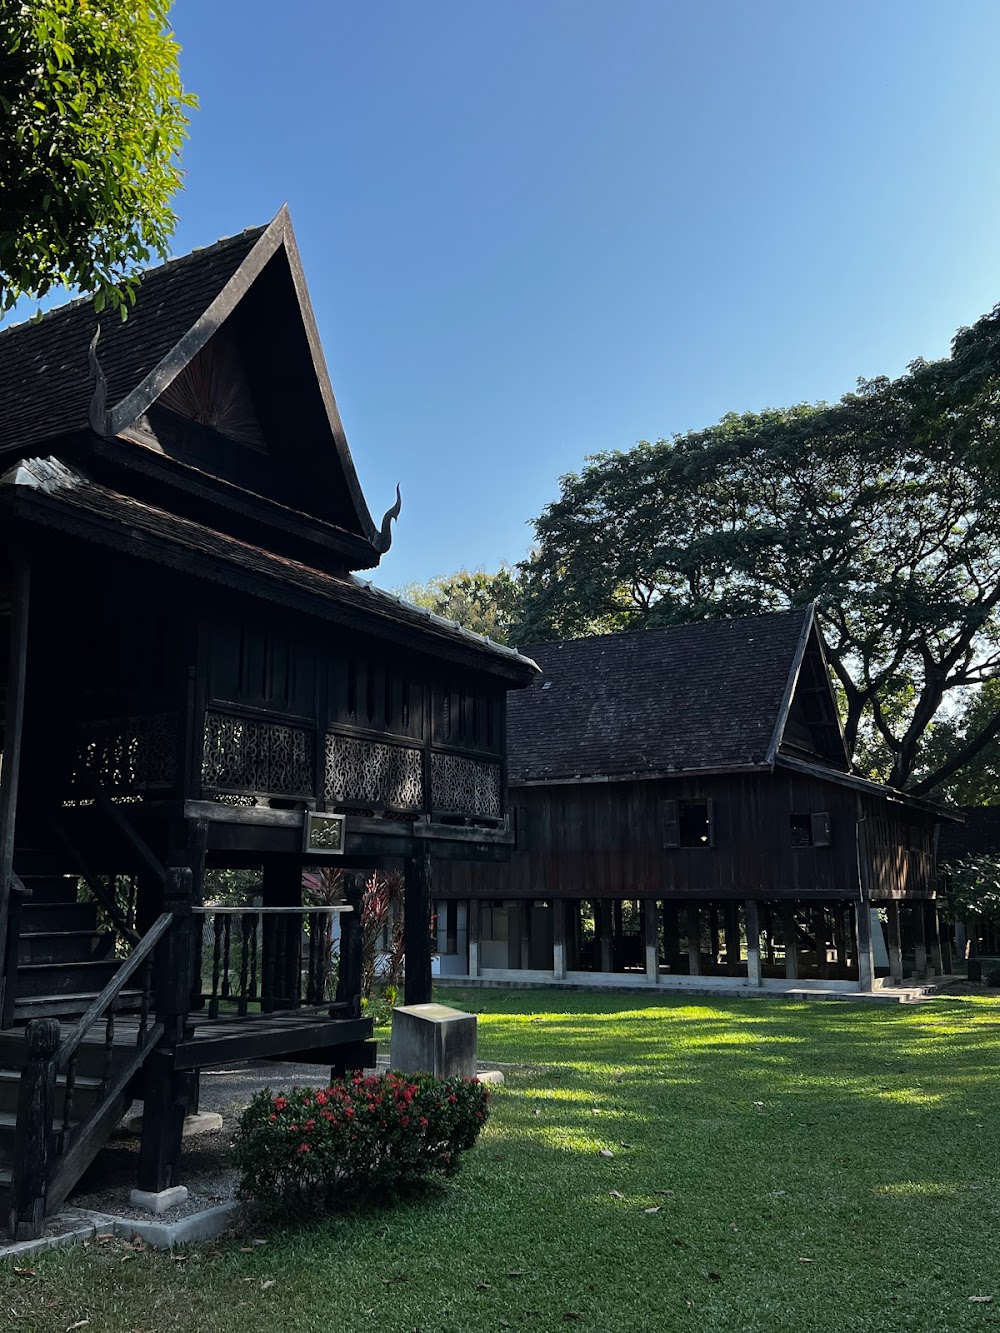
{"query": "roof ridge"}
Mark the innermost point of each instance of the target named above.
(33, 321)
(667, 629)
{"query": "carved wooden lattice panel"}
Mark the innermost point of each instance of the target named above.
(465, 786)
(373, 774)
(245, 754)
(129, 754)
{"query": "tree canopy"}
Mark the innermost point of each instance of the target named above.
(883, 508)
(93, 116)
(481, 602)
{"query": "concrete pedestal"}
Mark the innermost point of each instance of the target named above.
(433, 1039)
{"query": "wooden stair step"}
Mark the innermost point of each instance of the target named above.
(67, 1006)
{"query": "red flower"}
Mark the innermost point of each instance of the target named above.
(424, 1122)
(321, 1099)
(310, 1124)
(453, 1099)
(272, 1118)
(303, 1147)
(404, 1120)
(280, 1103)
(293, 1129)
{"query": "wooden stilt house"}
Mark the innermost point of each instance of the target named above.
(685, 811)
(195, 675)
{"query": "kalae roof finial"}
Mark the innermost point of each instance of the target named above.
(100, 417)
(383, 540)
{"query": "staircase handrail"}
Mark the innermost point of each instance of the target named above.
(70, 1043)
(106, 900)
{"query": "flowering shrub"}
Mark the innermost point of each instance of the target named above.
(375, 1134)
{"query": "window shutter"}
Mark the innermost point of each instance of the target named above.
(670, 824)
(710, 812)
(520, 814)
(820, 829)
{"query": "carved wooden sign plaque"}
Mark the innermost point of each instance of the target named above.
(324, 833)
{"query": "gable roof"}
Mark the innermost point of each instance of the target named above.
(714, 694)
(54, 383)
(46, 383)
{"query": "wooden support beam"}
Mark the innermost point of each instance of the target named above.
(863, 932)
(651, 934)
(10, 771)
(559, 911)
(694, 939)
(947, 962)
(418, 875)
(602, 926)
(753, 942)
(791, 941)
(820, 930)
(895, 944)
(919, 923)
(671, 936)
(734, 961)
(472, 935)
(934, 937)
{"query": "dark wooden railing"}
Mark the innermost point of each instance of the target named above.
(53, 1142)
(266, 958)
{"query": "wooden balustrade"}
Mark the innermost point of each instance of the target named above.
(267, 958)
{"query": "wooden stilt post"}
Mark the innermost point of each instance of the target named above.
(166, 1091)
(934, 933)
(734, 963)
(866, 958)
(944, 931)
(651, 935)
(895, 944)
(349, 978)
(820, 932)
(10, 771)
(472, 932)
(602, 923)
(753, 942)
(671, 936)
(791, 940)
(919, 939)
(694, 939)
(32, 1142)
(559, 906)
(418, 987)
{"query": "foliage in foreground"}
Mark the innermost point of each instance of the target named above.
(92, 117)
(309, 1148)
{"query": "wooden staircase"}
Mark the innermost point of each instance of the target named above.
(64, 959)
(77, 1032)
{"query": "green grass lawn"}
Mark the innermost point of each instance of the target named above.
(775, 1167)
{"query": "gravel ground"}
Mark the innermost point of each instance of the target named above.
(206, 1165)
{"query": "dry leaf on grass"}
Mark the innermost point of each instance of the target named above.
(80, 1323)
(617, 1194)
(26, 1272)
(605, 1152)
(980, 1300)
(806, 1261)
(266, 1286)
(484, 1286)
(652, 1210)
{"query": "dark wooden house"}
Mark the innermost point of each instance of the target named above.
(685, 809)
(194, 674)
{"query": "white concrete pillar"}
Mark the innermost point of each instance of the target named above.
(473, 935)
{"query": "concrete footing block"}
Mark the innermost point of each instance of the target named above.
(493, 1076)
(158, 1201)
(433, 1039)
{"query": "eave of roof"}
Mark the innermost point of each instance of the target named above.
(49, 492)
(868, 787)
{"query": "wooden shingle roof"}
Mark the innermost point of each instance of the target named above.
(46, 384)
(707, 695)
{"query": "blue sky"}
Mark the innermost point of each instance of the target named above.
(535, 229)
